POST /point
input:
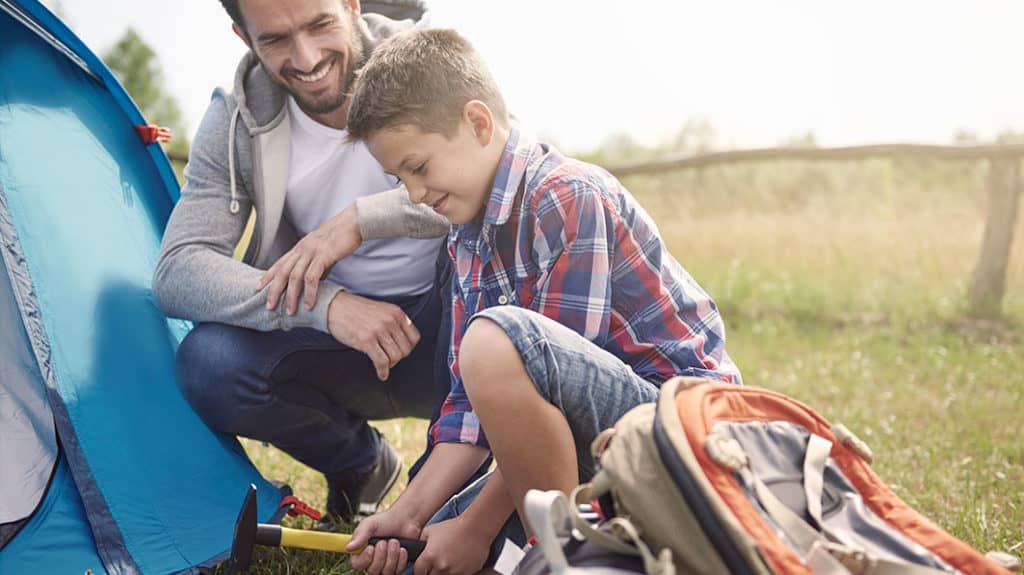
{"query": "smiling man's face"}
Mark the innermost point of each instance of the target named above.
(311, 48)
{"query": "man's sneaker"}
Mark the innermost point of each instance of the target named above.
(354, 495)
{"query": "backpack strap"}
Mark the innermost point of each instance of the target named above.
(582, 493)
(620, 535)
(548, 517)
(819, 548)
(818, 450)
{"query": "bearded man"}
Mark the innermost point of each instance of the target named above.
(304, 362)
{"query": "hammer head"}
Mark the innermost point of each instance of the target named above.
(245, 534)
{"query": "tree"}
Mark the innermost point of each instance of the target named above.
(614, 149)
(695, 137)
(135, 64)
(806, 140)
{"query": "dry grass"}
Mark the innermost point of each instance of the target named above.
(844, 286)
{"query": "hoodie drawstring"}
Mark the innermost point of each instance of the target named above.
(231, 159)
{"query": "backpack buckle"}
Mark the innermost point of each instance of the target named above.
(850, 440)
(857, 562)
(601, 442)
(726, 452)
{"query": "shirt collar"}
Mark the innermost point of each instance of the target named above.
(510, 173)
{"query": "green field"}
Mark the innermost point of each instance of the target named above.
(843, 285)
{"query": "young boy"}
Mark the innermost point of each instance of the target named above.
(567, 308)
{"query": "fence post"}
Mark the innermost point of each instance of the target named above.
(989, 282)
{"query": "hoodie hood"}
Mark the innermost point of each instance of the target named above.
(261, 102)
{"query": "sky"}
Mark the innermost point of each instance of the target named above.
(760, 73)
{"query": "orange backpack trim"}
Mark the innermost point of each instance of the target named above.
(701, 406)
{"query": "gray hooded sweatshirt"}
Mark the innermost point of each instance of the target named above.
(239, 162)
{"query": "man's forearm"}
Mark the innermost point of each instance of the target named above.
(196, 283)
(392, 214)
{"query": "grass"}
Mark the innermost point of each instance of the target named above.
(844, 286)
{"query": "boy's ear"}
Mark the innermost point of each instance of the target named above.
(238, 32)
(480, 119)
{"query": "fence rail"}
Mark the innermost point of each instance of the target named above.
(988, 284)
(849, 153)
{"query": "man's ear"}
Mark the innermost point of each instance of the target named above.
(480, 119)
(238, 32)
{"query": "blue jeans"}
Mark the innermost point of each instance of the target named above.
(589, 385)
(304, 392)
(458, 503)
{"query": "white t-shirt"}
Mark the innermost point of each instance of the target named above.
(326, 174)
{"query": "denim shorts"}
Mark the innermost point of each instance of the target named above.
(590, 386)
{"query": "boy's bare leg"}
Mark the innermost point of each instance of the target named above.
(531, 440)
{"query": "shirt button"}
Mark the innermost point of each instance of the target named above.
(502, 299)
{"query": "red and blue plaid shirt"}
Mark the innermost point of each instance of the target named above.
(576, 247)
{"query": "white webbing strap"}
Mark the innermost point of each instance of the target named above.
(602, 538)
(798, 530)
(660, 565)
(620, 536)
(818, 450)
(548, 518)
(823, 556)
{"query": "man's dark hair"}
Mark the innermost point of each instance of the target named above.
(231, 7)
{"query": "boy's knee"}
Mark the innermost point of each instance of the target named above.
(485, 353)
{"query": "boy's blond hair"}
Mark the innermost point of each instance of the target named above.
(422, 78)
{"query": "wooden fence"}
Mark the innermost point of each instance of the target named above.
(1004, 189)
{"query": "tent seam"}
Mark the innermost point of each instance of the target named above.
(114, 554)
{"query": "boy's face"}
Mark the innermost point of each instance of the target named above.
(311, 48)
(453, 176)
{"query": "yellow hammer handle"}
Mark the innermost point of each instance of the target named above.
(320, 540)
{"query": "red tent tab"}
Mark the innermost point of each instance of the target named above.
(299, 508)
(152, 133)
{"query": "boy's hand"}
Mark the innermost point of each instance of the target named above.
(448, 467)
(386, 557)
(453, 547)
(300, 270)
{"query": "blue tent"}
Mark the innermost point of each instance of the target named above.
(103, 466)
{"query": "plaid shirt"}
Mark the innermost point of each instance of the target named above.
(577, 248)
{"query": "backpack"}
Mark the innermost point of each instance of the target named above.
(718, 478)
(559, 548)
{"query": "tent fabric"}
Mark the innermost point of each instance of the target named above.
(57, 539)
(141, 485)
(28, 442)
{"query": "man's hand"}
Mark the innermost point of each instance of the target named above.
(386, 557)
(378, 329)
(300, 270)
(453, 547)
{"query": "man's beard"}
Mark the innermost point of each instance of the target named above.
(328, 103)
